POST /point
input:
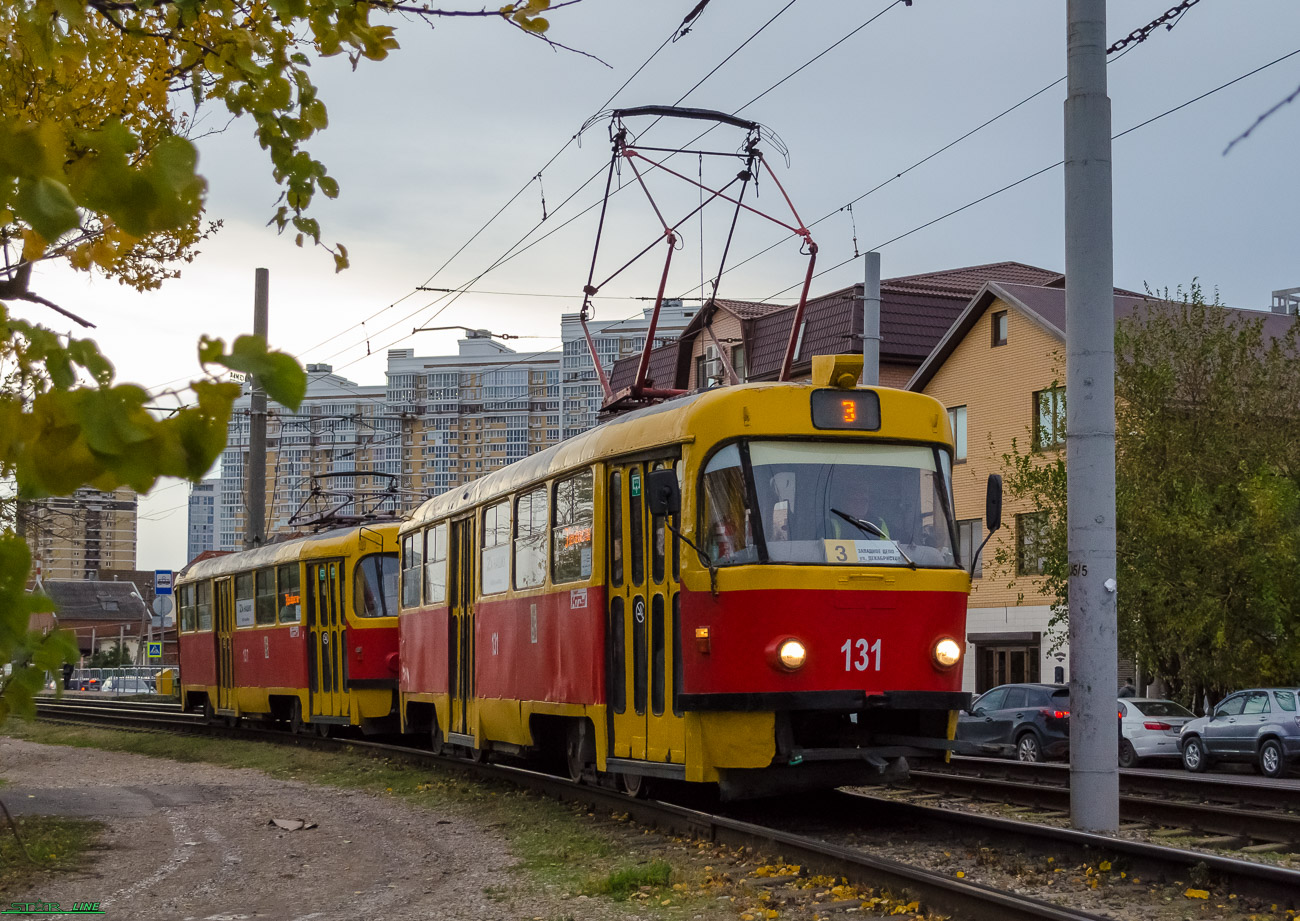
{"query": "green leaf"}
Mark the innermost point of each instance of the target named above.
(47, 206)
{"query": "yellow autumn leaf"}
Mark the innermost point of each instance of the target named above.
(1104, 866)
(1197, 894)
(961, 874)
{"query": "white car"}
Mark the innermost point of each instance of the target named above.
(119, 684)
(1149, 728)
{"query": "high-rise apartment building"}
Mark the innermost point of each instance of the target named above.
(472, 412)
(202, 524)
(340, 426)
(580, 393)
(74, 537)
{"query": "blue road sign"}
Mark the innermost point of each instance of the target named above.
(162, 581)
(155, 650)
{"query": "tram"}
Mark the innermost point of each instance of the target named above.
(303, 632)
(754, 586)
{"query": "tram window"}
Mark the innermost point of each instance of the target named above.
(203, 607)
(636, 534)
(265, 605)
(435, 564)
(412, 564)
(616, 528)
(530, 539)
(496, 548)
(375, 586)
(728, 537)
(290, 597)
(187, 608)
(244, 599)
(658, 544)
(571, 539)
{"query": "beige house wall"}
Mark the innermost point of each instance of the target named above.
(996, 384)
(726, 326)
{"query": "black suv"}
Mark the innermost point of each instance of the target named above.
(1028, 721)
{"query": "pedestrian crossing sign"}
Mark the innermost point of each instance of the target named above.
(155, 650)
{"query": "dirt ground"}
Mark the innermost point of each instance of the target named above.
(194, 841)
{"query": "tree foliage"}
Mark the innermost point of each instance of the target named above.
(1207, 497)
(99, 171)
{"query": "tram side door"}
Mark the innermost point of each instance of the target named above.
(460, 626)
(225, 617)
(643, 634)
(325, 639)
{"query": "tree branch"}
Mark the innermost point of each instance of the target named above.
(16, 288)
(1245, 134)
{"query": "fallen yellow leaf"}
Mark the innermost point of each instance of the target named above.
(1197, 894)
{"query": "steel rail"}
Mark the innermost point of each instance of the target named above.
(936, 891)
(1225, 788)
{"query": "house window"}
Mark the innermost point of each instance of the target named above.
(708, 369)
(1005, 664)
(1049, 417)
(1000, 328)
(738, 362)
(970, 532)
(1031, 544)
(957, 419)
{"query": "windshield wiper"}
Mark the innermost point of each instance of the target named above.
(868, 528)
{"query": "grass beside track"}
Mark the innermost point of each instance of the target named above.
(55, 845)
(557, 844)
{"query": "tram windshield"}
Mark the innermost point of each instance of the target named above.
(376, 585)
(836, 503)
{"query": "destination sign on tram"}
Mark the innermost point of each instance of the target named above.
(846, 409)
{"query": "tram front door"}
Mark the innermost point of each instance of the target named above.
(643, 635)
(326, 635)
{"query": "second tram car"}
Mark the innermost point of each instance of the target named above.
(755, 586)
(303, 631)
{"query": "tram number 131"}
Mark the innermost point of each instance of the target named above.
(861, 655)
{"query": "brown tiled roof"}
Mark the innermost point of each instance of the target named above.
(1046, 305)
(965, 282)
(749, 310)
(110, 601)
(661, 373)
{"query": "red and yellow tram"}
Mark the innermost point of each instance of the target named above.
(303, 631)
(754, 586)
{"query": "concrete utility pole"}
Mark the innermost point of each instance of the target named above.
(256, 474)
(871, 321)
(1090, 425)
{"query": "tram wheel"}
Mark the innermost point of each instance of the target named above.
(478, 755)
(636, 786)
(437, 742)
(323, 730)
(296, 725)
(209, 712)
(575, 747)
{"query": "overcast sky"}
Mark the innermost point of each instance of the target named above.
(430, 143)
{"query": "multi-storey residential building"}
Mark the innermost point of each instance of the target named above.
(202, 523)
(74, 537)
(471, 412)
(580, 393)
(340, 426)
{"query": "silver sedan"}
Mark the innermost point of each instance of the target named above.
(1150, 728)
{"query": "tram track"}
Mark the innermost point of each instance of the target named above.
(828, 834)
(840, 817)
(1249, 813)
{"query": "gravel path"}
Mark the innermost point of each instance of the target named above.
(195, 841)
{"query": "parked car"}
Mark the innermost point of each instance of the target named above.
(126, 684)
(1028, 721)
(1149, 729)
(1259, 726)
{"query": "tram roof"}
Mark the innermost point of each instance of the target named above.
(340, 541)
(667, 423)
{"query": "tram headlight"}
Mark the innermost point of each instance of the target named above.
(792, 654)
(946, 653)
